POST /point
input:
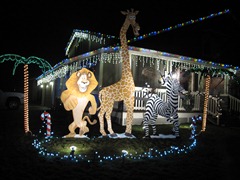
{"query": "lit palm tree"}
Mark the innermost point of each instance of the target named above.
(208, 73)
(43, 64)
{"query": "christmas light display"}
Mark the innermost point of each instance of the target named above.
(46, 116)
(193, 126)
(100, 38)
(43, 64)
(152, 153)
(205, 106)
(154, 33)
(112, 55)
(88, 35)
(25, 104)
(91, 58)
(208, 73)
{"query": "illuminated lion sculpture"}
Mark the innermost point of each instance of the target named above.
(76, 98)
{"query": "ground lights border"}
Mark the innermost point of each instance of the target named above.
(153, 153)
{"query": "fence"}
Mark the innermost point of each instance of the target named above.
(141, 96)
(234, 104)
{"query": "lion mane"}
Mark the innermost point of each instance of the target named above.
(75, 99)
(72, 86)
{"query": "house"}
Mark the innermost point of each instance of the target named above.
(101, 54)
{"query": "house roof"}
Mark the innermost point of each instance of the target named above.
(88, 35)
(61, 68)
(101, 38)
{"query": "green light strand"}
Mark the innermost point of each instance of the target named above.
(42, 64)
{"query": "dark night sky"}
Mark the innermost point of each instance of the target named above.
(43, 28)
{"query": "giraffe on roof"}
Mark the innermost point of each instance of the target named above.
(124, 89)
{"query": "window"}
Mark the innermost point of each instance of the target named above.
(147, 70)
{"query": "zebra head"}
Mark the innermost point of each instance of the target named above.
(163, 80)
(178, 89)
(176, 86)
(173, 85)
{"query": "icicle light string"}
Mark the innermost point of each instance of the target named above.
(114, 57)
(107, 54)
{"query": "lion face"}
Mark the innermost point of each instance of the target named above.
(82, 82)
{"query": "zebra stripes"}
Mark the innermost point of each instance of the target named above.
(156, 106)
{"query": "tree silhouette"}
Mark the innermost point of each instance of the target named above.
(42, 64)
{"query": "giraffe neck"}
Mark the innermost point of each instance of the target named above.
(126, 70)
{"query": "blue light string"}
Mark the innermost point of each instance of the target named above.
(153, 153)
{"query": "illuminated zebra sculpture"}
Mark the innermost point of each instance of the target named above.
(156, 106)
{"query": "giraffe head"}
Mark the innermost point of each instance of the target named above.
(131, 18)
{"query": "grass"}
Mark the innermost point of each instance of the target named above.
(214, 157)
(113, 146)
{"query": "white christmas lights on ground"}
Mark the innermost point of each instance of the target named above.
(153, 153)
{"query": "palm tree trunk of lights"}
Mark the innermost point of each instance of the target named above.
(26, 108)
(207, 85)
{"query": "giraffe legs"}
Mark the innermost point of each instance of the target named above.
(106, 110)
(101, 121)
(129, 103)
(109, 124)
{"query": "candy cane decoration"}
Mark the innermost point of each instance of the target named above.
(46, 115)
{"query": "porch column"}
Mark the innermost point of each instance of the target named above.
(226, 81)
(100, 75)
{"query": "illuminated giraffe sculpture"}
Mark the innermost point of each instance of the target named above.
(123, 90)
